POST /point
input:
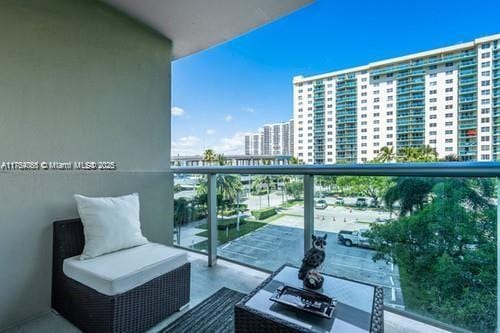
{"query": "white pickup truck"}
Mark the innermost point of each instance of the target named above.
(349, 238)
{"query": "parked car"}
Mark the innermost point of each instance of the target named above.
(361, 202)
(339, 201)
(321, 204)
(357, 238)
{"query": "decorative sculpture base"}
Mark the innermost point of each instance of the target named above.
(313, 280)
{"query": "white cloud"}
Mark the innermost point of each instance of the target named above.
(248, 109)
(234, 145)
(193, 145)
(228, 117)
(177, 111)
(188, 145)
(210, 131)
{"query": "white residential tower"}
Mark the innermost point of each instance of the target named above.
(447, 98)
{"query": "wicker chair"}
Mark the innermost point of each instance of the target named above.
(133, 311)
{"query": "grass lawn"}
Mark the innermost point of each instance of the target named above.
(291, 203)
(224, 236)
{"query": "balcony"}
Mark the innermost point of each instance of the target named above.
(288, 194)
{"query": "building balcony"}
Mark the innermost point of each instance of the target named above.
(467, 81)
(467, 72)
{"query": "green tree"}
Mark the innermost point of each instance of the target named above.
(178, 188)
(386, 155)
(182, 209)
(295, 189)
(369, 186)
(209, 156)
(228, 187)
(267, 182)
(417, 154)
(451, 158)
(411, 192)
(446, 252)
(221, 159)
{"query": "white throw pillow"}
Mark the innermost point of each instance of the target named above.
(109, 224)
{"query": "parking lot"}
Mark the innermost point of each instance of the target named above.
(274, 244)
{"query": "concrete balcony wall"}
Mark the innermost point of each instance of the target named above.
(79, 82)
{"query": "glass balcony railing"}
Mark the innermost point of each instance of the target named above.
(425, 232)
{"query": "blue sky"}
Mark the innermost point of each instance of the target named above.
(236, 87)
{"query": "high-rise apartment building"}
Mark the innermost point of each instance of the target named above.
(273, 139)
(448, 98)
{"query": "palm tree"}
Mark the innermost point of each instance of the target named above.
(451, 158)
(386, 155)
(209, 156)
(228, 188)
(284, 179)
(266, 181)
(417, 154)
(293, 160)
(221, 160)
(182, 209)
(428, 154)
(408, 154)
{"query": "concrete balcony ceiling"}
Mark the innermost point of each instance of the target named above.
(195, 25)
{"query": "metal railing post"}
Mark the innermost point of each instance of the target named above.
(212, 219)
(308, 211)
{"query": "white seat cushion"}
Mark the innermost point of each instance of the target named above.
(118, 272)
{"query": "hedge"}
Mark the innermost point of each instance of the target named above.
(229, 223)
(264, 213)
